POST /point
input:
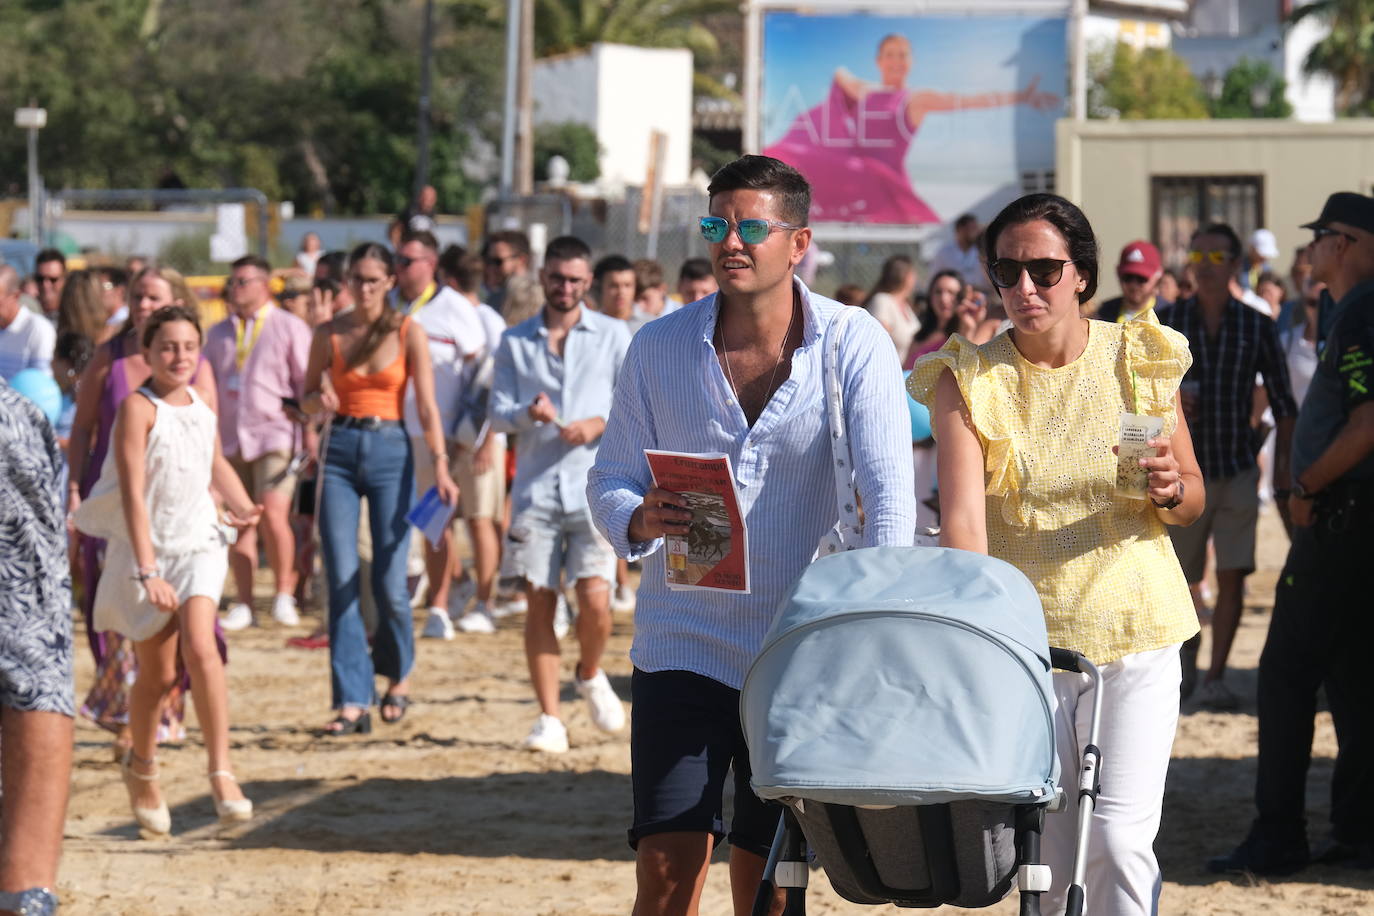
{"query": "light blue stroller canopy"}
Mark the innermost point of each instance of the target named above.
(904, 676)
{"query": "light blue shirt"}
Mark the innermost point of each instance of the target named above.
(672, 395)
(549, 473)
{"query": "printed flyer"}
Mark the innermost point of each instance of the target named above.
(714, 554)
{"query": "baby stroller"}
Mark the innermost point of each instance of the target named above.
(901, 710)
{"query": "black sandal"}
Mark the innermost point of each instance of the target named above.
(396, 701)
(342, 725)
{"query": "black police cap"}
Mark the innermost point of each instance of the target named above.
(1346, 207)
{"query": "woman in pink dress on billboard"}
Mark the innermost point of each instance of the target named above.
(852, 147)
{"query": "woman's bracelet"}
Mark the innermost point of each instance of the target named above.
(144, 573)
(1173, 502)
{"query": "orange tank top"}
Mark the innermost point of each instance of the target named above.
(373, 394)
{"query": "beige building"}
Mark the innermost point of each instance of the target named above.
(1160, 180)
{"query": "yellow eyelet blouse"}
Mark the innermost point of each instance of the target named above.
(1102, 563)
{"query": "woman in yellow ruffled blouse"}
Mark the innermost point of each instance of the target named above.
(1028, 425)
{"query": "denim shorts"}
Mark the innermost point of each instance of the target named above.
(685, 735)
(542, 543)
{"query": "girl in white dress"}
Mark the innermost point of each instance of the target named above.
(166, 560)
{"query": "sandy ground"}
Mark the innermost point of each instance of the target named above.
(443, 814)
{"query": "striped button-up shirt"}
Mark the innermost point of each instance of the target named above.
(672, 395)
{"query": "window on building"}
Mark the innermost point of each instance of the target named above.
(1037, 180)
(1182, 204)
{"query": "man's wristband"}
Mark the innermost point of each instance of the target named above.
(1301, 492)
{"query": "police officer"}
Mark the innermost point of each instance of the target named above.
(1323, 621)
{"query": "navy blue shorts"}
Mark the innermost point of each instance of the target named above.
(684, 736)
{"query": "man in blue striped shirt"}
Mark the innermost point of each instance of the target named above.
(739, 373)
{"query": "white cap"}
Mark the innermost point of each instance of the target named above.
(1264, 243)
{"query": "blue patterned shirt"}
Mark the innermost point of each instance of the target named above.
(672, 395)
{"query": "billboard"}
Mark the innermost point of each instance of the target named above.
(912, 120)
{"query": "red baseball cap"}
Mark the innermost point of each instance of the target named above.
(1139, 259)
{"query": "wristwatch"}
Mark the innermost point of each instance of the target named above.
(36, 901)
(1301, 492)
(1175, 501)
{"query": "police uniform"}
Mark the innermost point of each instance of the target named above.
(1323, 619)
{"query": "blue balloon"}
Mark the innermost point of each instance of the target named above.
(920, 419)
(40, 387)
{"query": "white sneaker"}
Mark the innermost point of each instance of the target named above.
(477, 620)
(438, 625)
(548, 735)
(459, 594)
(607, 711)
(623, 599)
(562, 617)
(238, 617)
(509, 606)
(284, 610)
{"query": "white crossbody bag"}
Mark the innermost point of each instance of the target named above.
(848, 533)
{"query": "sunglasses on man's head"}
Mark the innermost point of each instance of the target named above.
(1044, 272)
(1216, 257)
(716, 229)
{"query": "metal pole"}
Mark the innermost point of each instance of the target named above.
(426, 81)
(35, 192)
(512, 68)
(524, 142)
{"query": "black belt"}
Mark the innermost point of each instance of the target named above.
(344, 421)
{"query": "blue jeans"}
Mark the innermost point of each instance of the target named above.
(376, 464)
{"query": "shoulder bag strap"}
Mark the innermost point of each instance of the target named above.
(848, 533)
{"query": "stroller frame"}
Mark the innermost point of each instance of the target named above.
(787, 868)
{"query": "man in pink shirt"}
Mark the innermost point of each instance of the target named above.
(259, 354)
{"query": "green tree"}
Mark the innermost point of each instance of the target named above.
(563, 26)
(1346, 53)
(312, 100)
(574, 142)
(1252, 89)
(1153, 83)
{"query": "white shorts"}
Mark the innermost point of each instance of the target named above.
(543, 544)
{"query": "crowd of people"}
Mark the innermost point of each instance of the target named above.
(303, 428)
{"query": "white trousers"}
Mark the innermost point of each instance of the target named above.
(1139, 717)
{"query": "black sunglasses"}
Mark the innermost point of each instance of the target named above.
(1321, 232)
(1044, 272)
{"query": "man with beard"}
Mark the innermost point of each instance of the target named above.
(554, 377)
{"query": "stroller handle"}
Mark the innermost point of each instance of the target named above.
(1067, 660)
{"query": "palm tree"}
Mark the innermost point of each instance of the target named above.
(1346, 54)
(562, 26)
(572, 25)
